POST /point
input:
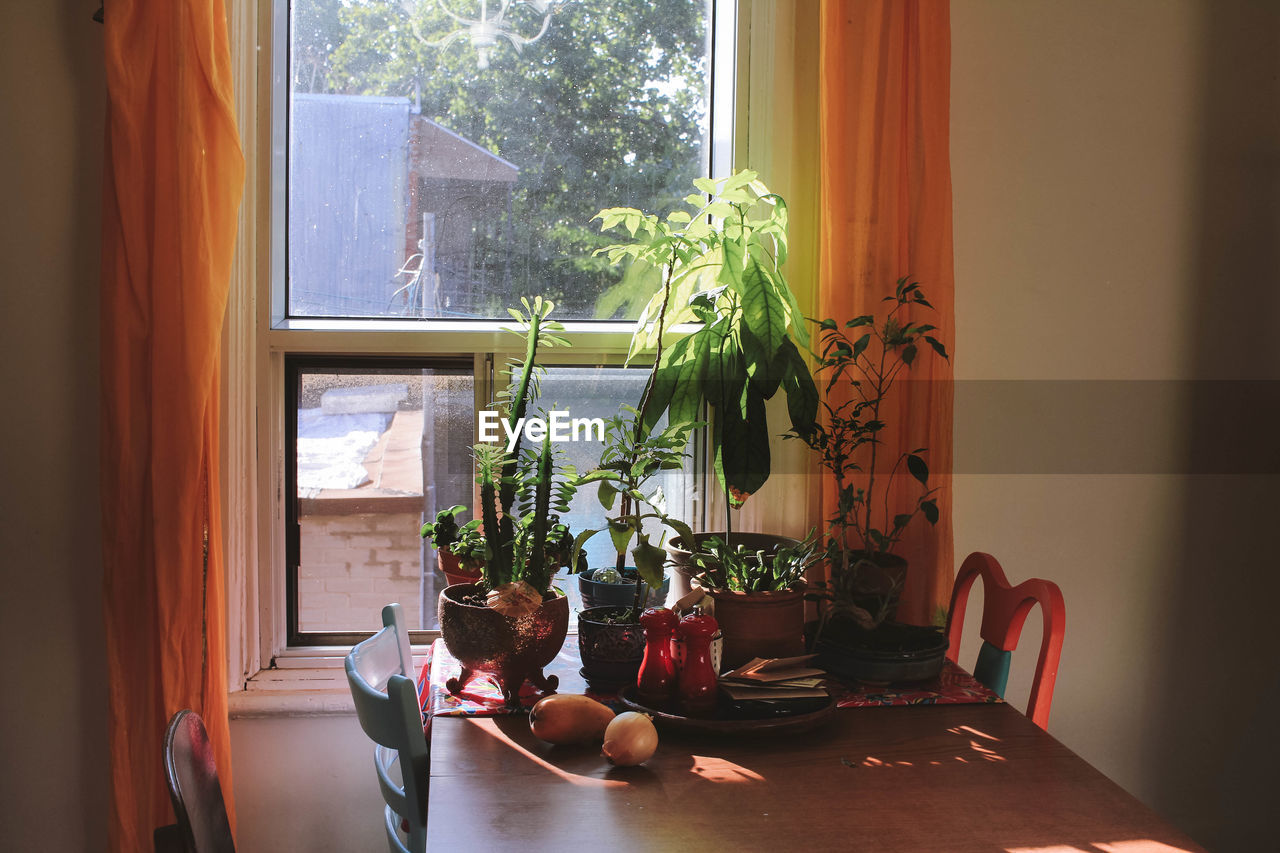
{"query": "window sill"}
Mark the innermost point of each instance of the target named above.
(304, 683)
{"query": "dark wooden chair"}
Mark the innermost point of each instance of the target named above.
(1004, 610)
(192, 776)
(380, 673)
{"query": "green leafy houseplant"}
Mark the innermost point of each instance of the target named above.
(740, 570)
(630, 458)
(523, 491)
(868, 355)
(465, 542)
(722, 268)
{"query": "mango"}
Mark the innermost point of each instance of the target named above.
(563, 718)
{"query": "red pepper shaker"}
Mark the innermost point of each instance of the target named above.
(656, 683)
(697, 677)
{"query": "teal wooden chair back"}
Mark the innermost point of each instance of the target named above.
(1004, 610)
(380, 673)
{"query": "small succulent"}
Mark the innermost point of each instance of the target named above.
(740, 570)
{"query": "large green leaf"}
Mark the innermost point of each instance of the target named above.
(723, 366)
(802, 394)
(742, 448)
(764, 311)
(649, 560)
(621, 533)
(686, 394)
(761, 365)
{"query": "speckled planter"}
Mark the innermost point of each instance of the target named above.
(506, 651)
(611, 652)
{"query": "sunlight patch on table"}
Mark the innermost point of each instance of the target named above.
(720, 770)
(1137, 845)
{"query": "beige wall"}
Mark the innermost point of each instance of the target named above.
(1116, 170)
(53, 774)
(1115, 163)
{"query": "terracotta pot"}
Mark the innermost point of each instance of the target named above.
(760, 624)
(451, 566)
(683, 570)
(611, 652)
(507, 651)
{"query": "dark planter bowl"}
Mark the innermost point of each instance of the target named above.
(892, 653)
(680, 559)
(507, 651)
(611, 652)
(760, 624)
(616, 594)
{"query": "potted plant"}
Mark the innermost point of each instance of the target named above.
(759, 596)
(459, 550)
(863, 359)
(722, 269)
(510, 623)
(610, 637)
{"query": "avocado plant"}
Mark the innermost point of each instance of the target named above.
(722, 270)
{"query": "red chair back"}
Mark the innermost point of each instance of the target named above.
(1004, 610)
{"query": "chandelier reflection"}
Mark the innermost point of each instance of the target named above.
(512, 20)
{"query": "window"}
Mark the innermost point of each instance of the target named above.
(434, 179)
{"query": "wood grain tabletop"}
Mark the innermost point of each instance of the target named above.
(921, 778)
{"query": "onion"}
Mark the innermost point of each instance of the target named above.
(630, 739)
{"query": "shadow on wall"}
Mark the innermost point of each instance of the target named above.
(1212, 746)
(83, 55)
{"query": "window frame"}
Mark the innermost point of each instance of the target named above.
(270, 675)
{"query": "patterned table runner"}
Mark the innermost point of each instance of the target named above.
(482, 698)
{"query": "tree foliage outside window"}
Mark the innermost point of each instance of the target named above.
(608, 108)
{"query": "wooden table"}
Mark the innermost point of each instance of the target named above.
(921, 778)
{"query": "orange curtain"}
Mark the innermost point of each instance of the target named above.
(173, 179)
(886, 213)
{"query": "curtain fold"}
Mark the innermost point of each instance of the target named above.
(886, 213)
(174, 174)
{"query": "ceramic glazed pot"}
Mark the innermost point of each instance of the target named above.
(611, 652)
(451, 567)
(760, 624)
(683, 570)
(616, 594)
(507, 651)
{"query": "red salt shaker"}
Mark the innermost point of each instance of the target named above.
(697, 677)
(656, 683)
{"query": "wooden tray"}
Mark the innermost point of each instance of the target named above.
(729, 720)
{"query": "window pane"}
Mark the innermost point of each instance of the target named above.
(367, 441)
(368, 438)
(427, 181)
(599, 392)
